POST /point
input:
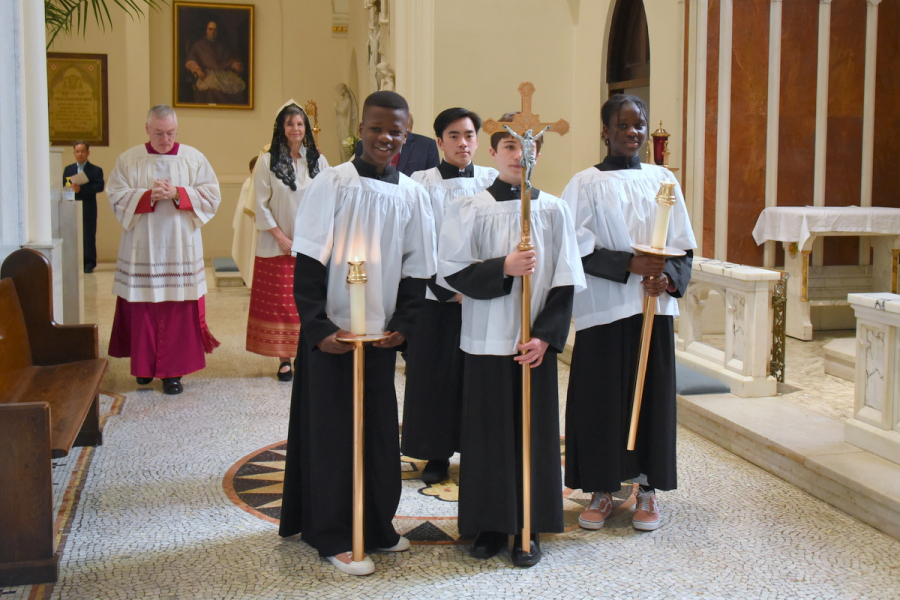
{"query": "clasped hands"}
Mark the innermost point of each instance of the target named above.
(650, 267)
(332, 346)
(163, 190)
(517, 264)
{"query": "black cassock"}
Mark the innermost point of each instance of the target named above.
(318, 478)
(490, 490)
(432, 407)
(601, 387)
(434, 376)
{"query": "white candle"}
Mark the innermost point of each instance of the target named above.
(356, 279)
(665, 198)
(661, 226)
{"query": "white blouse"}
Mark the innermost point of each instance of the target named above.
(276, 203)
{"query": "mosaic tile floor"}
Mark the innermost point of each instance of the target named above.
(154, 520)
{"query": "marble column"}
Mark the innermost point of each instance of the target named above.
(723, 135)
(12, 146)
(772, 119)
(868, 140)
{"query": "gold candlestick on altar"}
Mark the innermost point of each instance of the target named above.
(522, 128)
(665, 199)
(312, 111)
(356, 279)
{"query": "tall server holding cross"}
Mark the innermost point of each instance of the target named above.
(511, 252)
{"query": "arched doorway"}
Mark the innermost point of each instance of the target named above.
(628, 53)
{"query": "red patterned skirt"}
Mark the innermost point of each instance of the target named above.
(273, 327)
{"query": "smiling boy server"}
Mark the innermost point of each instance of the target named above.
(478, 256)
(432, 409)
(360, 209)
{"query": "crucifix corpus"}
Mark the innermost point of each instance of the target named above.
(522, 127)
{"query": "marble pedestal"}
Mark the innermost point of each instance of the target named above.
(875, 425)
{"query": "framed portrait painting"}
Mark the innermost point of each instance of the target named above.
(77, 93)
(213, 55)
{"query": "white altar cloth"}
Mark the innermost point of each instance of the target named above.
(798, 223)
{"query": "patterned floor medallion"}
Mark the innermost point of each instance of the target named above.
(256, 484)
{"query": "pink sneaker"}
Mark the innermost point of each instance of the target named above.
(594, 516)
(646, 515)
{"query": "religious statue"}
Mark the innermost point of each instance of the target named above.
(347, 118)
(528, 149)
(385, 76)
(374, 44)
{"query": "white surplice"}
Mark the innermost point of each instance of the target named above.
(477, 228)
(389, 226)
(441, 191)
(161, 253)
(243, 245)
(613, 210)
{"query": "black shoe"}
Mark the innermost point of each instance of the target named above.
(172, 385)
(527, 559)
(435, 471)
(89, 269)
(489, 543)
(285, 375)
(143, 380)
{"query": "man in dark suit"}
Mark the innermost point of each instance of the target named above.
(87, 194)
(417, 154)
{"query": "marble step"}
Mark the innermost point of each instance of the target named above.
(802, 447)
(840, 358)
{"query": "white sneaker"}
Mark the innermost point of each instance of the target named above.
(345, 563)
(400, 546)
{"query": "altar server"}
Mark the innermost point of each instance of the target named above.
(433, 405)
(243, 244)
(614, 207)
(478, 257)
(161, 192)
(366, 210)
(285, 171)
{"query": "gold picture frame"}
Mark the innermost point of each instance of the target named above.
(78, 98)
(213, 54)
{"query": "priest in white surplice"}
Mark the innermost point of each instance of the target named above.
(161, 192)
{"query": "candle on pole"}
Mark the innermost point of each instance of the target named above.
(665, 199)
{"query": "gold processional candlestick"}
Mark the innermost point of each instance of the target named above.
(312, 111)
(522, 127)
(356, 280)
(665, 199)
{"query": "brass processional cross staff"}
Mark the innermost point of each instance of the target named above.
(522, 127)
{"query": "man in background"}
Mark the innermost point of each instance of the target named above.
(162, 192)
(87, 194)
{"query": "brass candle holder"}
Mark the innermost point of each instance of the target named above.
(356, 278)
(665, 199)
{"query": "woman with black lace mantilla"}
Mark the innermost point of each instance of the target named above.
(279, 182)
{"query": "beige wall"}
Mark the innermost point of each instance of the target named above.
(479, 63)
(295, 56)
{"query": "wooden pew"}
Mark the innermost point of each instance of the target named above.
(49, 401)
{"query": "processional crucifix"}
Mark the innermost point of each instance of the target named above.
(522, 127)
